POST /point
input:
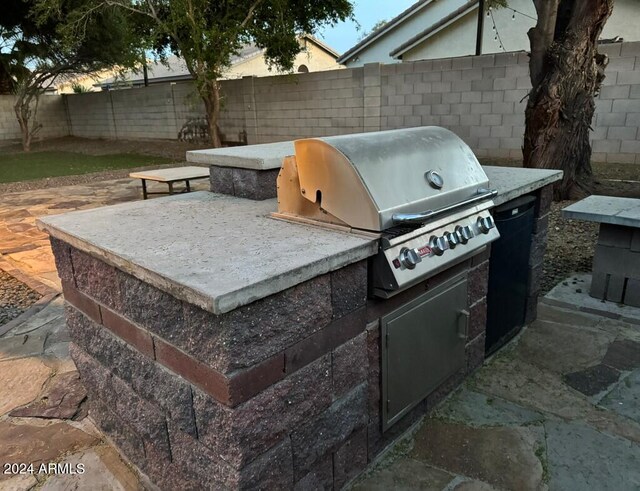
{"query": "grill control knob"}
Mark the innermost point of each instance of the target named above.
(438, 245)
(409, 258)
(485, 224)
(464, 233)
(452, 239)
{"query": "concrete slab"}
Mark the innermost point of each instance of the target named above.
(579, 458)
(567, 296)
(476, 409)
(170, 175)
(257, 157)
(504, 457)
(624, 398)
(405, 474)
(215, 251)
(514, 182)
(605, 209)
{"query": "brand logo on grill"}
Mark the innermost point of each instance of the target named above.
(424, 251)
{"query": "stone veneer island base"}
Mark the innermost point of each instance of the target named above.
(210, 369)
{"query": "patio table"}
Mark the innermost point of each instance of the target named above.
(170, 177)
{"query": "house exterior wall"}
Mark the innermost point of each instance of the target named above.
(378, 51)
(449, 42)
(314, 58)
(459, 39)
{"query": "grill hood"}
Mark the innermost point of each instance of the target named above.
(364, 179)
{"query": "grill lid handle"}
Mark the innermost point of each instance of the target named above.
(425, 216)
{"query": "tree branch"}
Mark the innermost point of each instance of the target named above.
(541, 37)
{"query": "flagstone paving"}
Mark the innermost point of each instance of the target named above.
(42, 411)
(26, 248)
(557, 409)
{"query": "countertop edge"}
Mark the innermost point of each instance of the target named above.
(225, 302)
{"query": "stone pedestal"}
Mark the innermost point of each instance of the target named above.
(616, 265)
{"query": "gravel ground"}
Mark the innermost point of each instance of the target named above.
(15, 297)
(569, 248)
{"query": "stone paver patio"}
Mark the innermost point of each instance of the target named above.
(558, 409)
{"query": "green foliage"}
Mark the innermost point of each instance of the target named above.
(496, 4)
(374, 28)
(207, 34)
(78, 89)
(36, 48)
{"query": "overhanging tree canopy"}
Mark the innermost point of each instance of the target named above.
(34, 50)
(206, 34)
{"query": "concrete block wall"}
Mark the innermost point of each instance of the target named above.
(312, 104)
(51, 114)
(616, 135)
(482, 99)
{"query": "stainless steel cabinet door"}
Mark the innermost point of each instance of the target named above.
(422, 345)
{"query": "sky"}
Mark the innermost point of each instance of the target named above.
(367, 12)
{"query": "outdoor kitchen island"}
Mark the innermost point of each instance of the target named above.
(225, 349)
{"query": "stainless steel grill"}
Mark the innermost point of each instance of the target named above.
(421, 190)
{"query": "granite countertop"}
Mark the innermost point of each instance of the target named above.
(216, 251)
(220, 252)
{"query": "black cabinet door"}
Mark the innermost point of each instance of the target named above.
(422, 345)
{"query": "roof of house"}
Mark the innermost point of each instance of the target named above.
(175, 69)
(382, 30)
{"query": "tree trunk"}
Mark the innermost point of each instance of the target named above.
(21, 109)
(565, 78)
(211, 97)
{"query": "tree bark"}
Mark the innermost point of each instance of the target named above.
(211, 97)
(566, 74)
(21, 109)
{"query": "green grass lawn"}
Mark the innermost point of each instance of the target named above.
(16, 167)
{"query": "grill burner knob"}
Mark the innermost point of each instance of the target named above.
(464, 233)
(409, 258)
(438, 245)
(452, 239)
(485, 224)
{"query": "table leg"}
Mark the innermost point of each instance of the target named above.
(170, 187)
(144, 189)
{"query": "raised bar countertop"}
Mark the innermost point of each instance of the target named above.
(220, 252)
